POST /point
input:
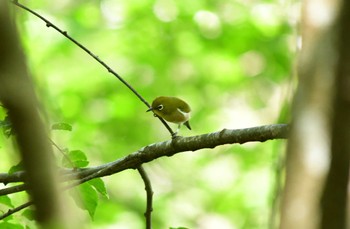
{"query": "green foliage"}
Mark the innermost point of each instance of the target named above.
(16, 168)
(77, 159)
(87, 198)
(230, 60)
(62, 126)
(8, 225)
(6, 200)
(6, 126)
(29, 214)
(99, 185)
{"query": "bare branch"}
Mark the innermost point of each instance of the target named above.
(183, 144)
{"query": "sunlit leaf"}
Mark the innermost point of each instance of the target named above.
(6, 200)
(99, 185)
(88, 198)
(6, 126)
(16, 168)
(62, 126)
(77, 158)
(7, 225)
(29, 214)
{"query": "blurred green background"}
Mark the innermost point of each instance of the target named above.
(231, 60)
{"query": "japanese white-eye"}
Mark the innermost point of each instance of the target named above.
(172, 109)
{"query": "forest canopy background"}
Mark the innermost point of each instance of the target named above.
(230, 60)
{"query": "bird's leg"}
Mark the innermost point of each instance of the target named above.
(178, 128)
(174, 135)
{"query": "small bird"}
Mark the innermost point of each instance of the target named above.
(172, 109)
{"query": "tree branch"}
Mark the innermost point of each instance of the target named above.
(154, 151)
(168, 148)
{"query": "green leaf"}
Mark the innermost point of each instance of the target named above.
(178, 228)
(5, 123)
(88, 198)
(7, 225)
(6, 200)
(16, 168)
(77, 158)
(62, 126)
(99, 185)
(29, 214)
(6, 126)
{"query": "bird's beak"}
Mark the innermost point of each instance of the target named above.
(151, 108)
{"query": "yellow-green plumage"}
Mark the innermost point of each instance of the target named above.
(172, 109)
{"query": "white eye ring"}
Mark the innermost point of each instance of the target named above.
(160, 107)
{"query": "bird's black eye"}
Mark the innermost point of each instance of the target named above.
(160, 107)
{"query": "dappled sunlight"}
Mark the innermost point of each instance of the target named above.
(315, 142)
(209, 221)
(114, 12)
(209, 24)
(322, 13)
(253, 63)
(165, 10)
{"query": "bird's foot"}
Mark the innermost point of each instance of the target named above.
(174, 135)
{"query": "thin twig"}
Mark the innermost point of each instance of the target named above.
(109, 69)
(149, 194)
(62, 152)
(16, 209)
